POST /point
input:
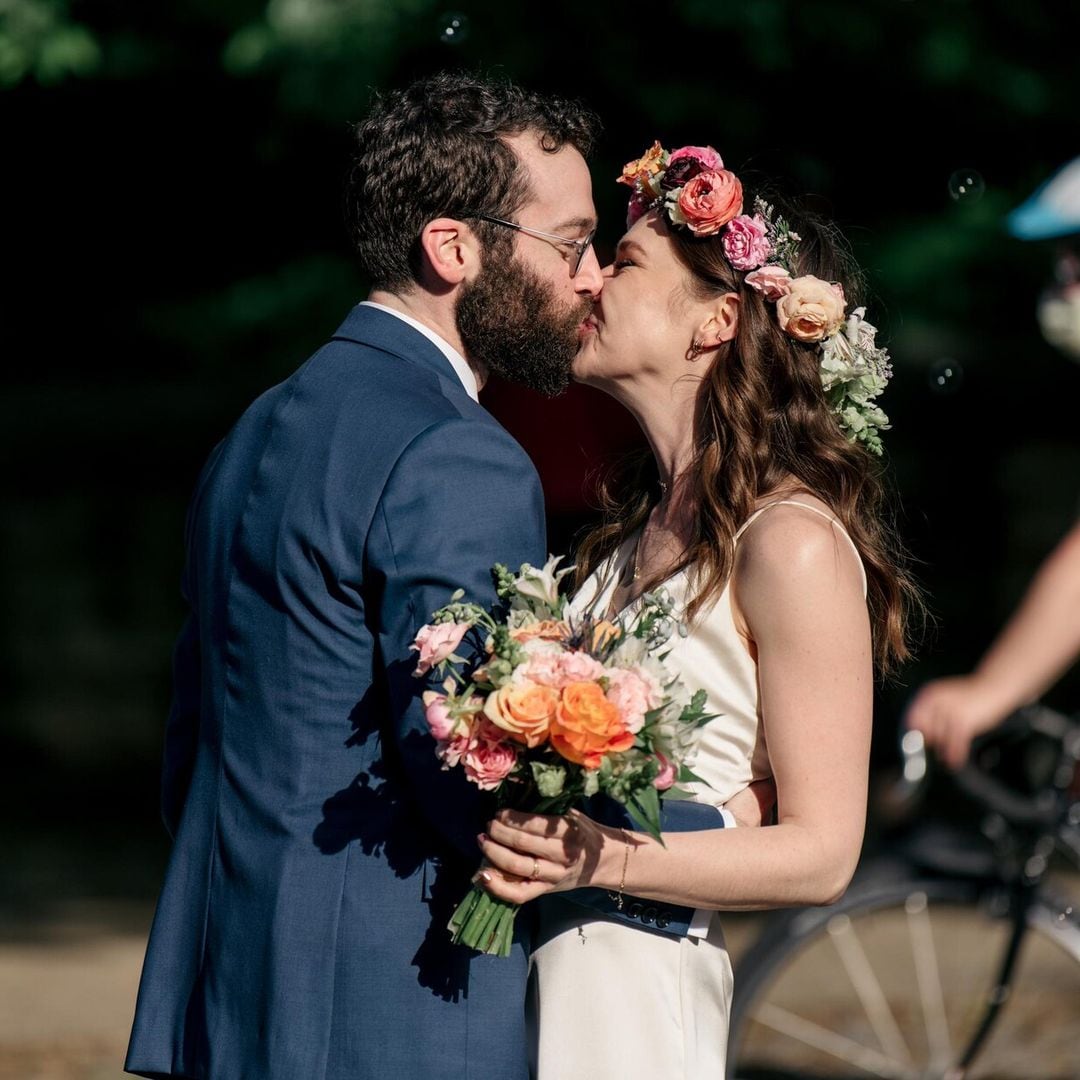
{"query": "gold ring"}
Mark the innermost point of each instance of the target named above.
(535, 871)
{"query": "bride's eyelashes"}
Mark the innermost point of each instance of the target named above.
(620, 263)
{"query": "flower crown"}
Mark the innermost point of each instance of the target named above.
(694, 190)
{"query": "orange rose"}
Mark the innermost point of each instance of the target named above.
(546, 630)
(645, 167)
(587, 726)
(526, 711)
(604, 633)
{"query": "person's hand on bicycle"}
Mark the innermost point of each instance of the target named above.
(950, 713)
(1033, 649)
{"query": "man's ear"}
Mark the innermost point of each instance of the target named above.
(451, 251)
(722, 322)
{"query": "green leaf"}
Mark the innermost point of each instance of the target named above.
(644, 811)
(688, 776)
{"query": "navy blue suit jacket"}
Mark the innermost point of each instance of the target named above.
(318, 847)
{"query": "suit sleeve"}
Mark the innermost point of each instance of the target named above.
(462, 497)
(182, 725)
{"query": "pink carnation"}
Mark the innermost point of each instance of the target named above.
(544, 668)
(436, 643)
(772, 282)
(580, 667)
(746, 242)
(633, 691)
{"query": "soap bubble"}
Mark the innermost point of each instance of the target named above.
(945, 376)
(453, 28)
(967, 185)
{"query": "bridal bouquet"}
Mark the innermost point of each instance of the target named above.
(545, 710)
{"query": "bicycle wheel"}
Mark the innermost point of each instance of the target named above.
(894, 980)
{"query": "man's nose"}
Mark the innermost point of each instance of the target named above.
(589, 278)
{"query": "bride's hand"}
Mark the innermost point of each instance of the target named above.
(528, 855)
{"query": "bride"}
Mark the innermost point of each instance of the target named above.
(732, 337)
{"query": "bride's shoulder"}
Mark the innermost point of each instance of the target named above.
(791, 540)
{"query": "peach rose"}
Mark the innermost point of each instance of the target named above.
(546, 630)
(708, 201)
(587, 726)
(525, 710)
(645, 167)
(811, 310)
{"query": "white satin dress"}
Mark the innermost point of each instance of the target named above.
(612, 1001)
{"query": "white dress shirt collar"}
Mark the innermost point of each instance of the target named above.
(457, 361)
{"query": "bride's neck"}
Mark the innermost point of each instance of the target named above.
(667, 419)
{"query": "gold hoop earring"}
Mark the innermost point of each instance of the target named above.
(695, 350)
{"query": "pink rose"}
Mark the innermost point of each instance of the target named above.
(633, 691)
(771, 281)
(666, 776)
(708, 157)
(436, 642)
(686, 163)
(580, 667)
(746, 242)
(708, 202)
(811, 310)
(491, 759)
(437, 715)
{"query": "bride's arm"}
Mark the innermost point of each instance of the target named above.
(800, 591)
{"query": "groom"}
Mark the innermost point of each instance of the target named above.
(318, 848)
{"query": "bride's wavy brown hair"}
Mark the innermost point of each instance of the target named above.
(761, 418)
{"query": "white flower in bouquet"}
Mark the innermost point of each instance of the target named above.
(540, 586)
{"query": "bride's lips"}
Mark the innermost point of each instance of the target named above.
(588, 326)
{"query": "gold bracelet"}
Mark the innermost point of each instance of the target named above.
(618, 896)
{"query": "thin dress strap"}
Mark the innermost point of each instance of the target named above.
(814, 510)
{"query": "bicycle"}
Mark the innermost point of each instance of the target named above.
(950, 957)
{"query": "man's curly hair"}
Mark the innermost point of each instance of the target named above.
(437, 149)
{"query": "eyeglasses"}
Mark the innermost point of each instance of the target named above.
(580, 247)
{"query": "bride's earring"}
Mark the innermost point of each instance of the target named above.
(695, 350)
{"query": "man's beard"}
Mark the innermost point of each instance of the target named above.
(510, 324)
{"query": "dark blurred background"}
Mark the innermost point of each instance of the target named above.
(174, 246)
